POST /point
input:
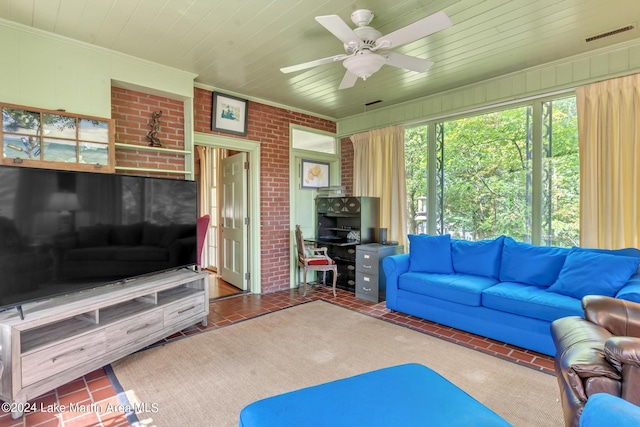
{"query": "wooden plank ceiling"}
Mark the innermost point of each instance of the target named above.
(238, 46)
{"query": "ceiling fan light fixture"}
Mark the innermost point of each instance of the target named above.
(364, 65)
(362, 44)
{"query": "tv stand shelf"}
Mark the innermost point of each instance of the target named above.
(66, 337)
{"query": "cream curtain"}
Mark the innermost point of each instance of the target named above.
(205, 157)
(609, 139)
(379, 171)
(209, 160)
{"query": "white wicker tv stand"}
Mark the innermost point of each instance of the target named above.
(66, 337)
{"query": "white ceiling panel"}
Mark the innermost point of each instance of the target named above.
(240, 45)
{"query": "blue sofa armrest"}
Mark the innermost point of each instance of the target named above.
(604, 410)
(393, 267)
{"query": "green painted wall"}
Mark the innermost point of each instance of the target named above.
(563, 75)
(47, 71)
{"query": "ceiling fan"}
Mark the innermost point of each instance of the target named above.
(367, 50)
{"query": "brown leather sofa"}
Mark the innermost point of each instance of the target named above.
(597, 354)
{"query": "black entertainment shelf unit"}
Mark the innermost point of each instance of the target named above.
(343, 223)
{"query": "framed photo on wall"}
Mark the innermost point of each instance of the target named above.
(315, 174)
(229, 114)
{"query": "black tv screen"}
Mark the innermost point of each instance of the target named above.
(62, 231)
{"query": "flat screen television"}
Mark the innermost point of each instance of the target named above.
(63, 232)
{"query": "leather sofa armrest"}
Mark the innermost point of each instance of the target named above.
(620, 317)
(580, 357)
(587, 377)
(624, 354)
(623, 351)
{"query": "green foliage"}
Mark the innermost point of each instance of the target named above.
(15, 119)
(487, 176)
(416, 171)
(564, 169)
(485, 164)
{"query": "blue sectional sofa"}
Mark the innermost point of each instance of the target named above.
(503, 289)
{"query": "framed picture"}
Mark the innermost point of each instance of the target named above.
(229, 114)
(315, 174)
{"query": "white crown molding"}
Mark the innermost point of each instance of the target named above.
(262, 101)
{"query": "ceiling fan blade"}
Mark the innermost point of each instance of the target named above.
(336, 26)
(312, 64)
(349, 80)
(412, 32)
(412, 63)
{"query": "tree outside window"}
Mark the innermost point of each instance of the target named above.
(485, 176)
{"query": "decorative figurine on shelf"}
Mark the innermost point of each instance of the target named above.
(152, 136)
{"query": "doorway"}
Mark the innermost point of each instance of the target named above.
(228, 194)
(310, 145)
(233, 220)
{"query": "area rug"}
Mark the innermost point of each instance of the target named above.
(208, 378)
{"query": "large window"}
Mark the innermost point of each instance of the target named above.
(513, 172)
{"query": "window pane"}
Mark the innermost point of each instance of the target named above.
(486, 161)
(561, 174)
(415, 152)
(313, 141)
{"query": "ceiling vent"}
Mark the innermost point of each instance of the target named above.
(373, 102)
(610, 33)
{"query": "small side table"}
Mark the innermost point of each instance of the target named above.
(371, 283)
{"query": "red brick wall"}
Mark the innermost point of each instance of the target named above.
(132, 113)
(347, 165)
(269, 126)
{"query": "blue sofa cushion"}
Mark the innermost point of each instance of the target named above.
(481, 258)
(632, 252)
(460, 288)
(586, 272)
(631, 291)
(430, 254)
(531, 264)
(530, 301)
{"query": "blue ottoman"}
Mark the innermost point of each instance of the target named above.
(404, 395)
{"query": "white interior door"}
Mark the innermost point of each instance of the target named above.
(234, 220)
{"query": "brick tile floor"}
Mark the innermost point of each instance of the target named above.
(95, 390)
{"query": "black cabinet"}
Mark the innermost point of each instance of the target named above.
(344, 223)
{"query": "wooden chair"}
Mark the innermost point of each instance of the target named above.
(314, 259)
